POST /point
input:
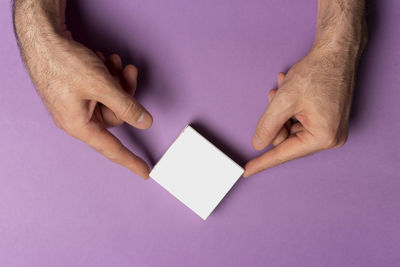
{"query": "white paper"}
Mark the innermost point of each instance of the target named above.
(196, 172)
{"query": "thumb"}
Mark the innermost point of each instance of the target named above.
(125, 107)
(281, 77)
(271, 95)
(270, 123)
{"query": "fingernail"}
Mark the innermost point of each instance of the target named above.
(144, 121)
(246, 171)
(258, 140)
(257, 143)
(141, 117)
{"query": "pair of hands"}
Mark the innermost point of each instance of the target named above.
(87, 93)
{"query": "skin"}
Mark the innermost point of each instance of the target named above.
(87, 93)
(84, 93)
(309, 111)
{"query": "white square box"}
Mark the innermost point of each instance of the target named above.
(196, 172)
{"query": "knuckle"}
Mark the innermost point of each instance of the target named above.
(342, 141)
(113, 155)
(132, 110)
(328, 139)
(280, 161)
(58, 124)
(70, 131)
(332, 137)
(110, 156)
(330, 143)
(275, 142)
(285, 101)
(71, 127)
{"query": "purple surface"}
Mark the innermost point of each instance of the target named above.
(211, 63)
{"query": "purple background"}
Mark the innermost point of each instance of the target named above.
(212, 63)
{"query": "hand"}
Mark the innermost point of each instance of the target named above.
(83, 96)
(310, 110)
(316, 93)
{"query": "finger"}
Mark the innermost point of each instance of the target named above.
(288, 124)
(101, 56)
(281, 136)
(114, 64)
(68, 35)
(116, 61)
(281, 77)
(130, 74)
(291, 148)
(124, 106)
(276, 115)
(296, 128)
(271, 95)
(283, 132)
(128, 83)
(110, 119)
(107, 144)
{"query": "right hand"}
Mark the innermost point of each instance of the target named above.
(84, 96)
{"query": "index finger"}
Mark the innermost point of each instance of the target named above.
(111, 147)
(292, 148)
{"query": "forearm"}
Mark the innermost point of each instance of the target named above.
(341, 25)
(38, 25)
(43, 15)
(37, 21)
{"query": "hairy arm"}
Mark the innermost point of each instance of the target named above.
(309, 111)
(38, 24)
(341, 23)
(85, 93)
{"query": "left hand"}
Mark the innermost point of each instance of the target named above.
(316, 93)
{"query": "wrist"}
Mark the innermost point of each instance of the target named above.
(348, 38)
(346, 49)
(341, 27)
